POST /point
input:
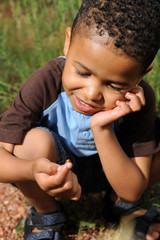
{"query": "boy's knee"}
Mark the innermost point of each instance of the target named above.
(37, 143)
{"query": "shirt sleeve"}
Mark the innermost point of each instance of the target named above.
(136, 131)
(34, 96)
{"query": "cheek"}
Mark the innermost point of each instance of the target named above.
(110, 100)
(66, 80)
(71, 82)
(121, 97)
(68, 84)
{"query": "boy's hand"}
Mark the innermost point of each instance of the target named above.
(57, 180)
(134, 101)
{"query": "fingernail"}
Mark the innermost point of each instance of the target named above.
(69, 165)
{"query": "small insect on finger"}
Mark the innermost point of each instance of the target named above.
(68, 160)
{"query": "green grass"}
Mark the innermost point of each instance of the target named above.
(31, 33)
(153, 78)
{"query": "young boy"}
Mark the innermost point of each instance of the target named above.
(91, 107)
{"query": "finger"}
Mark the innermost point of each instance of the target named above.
(138, 90)
(43, 165)
(76, 188)
(67, 164)
(48, 182)
(60, 186)
(71, 188)
(63, 191)
(77, 195)
(59, 192)
(123, 108)
(60, 176)
(63, 194)
(134, 102)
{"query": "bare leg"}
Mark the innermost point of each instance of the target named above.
(153, 232)
(37, 143)
(154, 229)
(155, 169)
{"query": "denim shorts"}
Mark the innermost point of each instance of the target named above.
(88, 169)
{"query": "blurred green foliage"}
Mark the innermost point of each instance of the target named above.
(153, 78)
(31, 33)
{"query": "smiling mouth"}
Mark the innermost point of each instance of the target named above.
(84, 107)
(84, 103)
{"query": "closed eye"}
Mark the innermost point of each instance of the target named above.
(116, 88)
(84, 74)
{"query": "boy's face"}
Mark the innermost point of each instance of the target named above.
(94, 78)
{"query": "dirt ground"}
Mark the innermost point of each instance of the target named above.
(85, 216)
(14, 209)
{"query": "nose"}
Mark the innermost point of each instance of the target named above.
(93, 93)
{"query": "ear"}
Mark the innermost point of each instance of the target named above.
(147, 70)
(67, 41)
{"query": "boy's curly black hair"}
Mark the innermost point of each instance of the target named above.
(133, 26)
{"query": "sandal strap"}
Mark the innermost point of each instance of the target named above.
(143, 222)
(128, 206)
(125, 209)
(151, 215)
(41, 235)
(47, 221)
(113, 212)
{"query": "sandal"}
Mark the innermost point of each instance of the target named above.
(143, 222)
(112, 212)
(50, 223)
